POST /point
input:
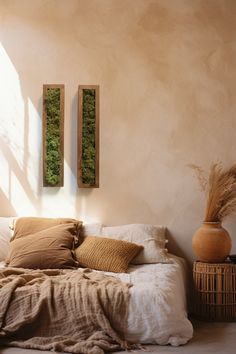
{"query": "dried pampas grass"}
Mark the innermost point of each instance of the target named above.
(220, 188)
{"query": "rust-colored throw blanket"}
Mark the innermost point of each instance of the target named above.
(70, 311)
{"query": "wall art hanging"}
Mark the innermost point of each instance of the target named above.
(53, 135)
(88, 136)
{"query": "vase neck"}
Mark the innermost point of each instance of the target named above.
(209, 224)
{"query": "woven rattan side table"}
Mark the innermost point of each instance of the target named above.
(214, 291)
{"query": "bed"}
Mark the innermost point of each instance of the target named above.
(156, 312)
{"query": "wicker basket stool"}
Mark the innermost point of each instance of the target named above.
(215, 291)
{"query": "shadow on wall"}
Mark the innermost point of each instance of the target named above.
(16, 175)
(173, 246)
(8, 208)
(21, 144)
(18, 133)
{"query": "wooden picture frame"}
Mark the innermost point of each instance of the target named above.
(88, 136)
(53, 135)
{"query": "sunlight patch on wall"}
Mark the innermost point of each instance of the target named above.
(19, 198)
(19, 142)
(58, 206)
(86, 213)
(5, 176)
(59, 201)
(34, 146)
(11, 108)
(83, 214)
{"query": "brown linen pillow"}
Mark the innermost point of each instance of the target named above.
(106, 254)
(30, 225)
(50, 248)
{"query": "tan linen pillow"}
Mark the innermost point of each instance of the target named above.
(25, 226)
(106, 254)
(50, 248)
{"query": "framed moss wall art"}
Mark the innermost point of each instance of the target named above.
(88, 136)
(53, 135)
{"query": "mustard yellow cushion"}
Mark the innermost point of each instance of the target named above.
(106, 254)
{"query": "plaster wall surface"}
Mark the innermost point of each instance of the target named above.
(167, 77)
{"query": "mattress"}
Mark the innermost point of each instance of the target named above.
(157, 308)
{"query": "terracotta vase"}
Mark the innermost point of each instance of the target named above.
(211, 243)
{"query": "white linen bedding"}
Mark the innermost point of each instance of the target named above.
(157, 307)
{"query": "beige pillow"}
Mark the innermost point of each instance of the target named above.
(29, 225)
(152, 237)
(50, 248)
(106, 254)
(5, 236)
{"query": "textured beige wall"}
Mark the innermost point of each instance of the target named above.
(167, 75)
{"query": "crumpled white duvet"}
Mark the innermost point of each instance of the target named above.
(157, 308)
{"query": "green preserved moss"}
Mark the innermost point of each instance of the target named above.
(88, 137)
(53, 141)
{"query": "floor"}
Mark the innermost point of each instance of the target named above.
(217, 338)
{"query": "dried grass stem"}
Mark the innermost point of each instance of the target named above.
(220, 188)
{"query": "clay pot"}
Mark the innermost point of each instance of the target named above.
(211, 243)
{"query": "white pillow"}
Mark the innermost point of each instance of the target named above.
(152, 237)
(5, 235)
(93, 229)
